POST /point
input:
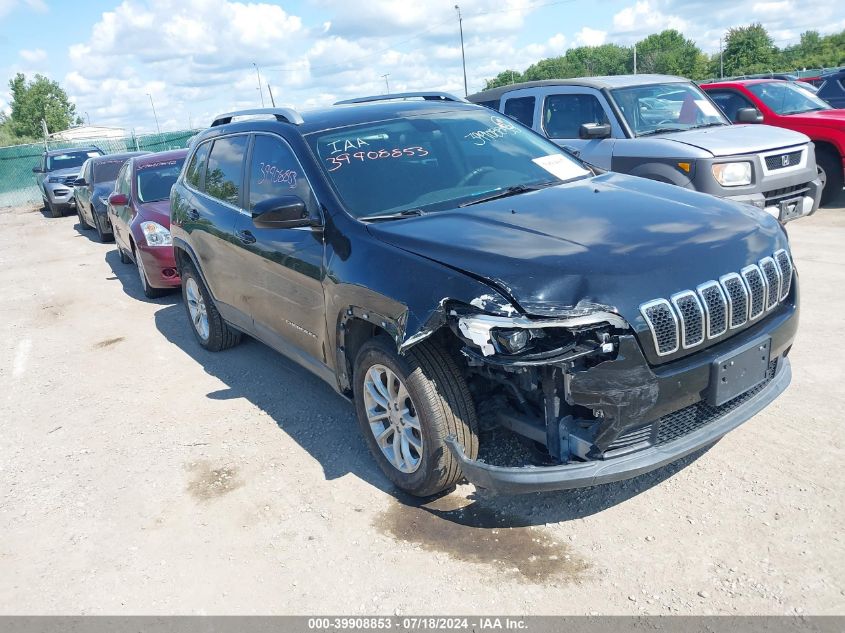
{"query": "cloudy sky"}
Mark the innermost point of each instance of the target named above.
(195, 57)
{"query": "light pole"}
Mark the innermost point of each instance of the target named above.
(260, 91)
(463, 55)
(87, 116)
(154, 112)
(386, 83)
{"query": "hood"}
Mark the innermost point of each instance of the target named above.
(821, 118)
(67, 171)
(614, 240)
(158, 211)
(729, 140)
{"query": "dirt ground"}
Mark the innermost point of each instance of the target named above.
(140, 474)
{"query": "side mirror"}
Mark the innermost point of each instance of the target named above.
(37, 170)
(282, 212)
(749, 115)
(591, 131)
(118, 200)
(79, 182)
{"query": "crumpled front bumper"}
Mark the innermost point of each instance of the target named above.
(524, 479)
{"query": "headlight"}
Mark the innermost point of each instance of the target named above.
(55, 179)
(732, 174)
(156, 234)
(512, 341)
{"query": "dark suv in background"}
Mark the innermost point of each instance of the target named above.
(454, 272)
(56, 173)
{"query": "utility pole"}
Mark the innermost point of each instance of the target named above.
(386, 83)
(272, 100)
(154, 112)
(463, 55)
(635, 59)
(87, 116)
(260, 91)
(721, 61)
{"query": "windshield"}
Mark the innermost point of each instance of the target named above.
(69, 160)
(154, 180)
(106, 170)
(671, 107)
(783, 97)
(437, 161)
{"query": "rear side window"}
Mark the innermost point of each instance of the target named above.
(730, 102)
(197, 166)
(521, 109)
(275, 172)
(224, 175)
(563, 115)
(493, 105)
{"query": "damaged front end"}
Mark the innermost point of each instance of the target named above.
(579, 391)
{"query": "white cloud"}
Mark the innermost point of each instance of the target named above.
(590, 37)
(7, 6)
(643, 18)
(34, 55)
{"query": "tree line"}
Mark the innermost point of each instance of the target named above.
(32, 101)
(747, 50)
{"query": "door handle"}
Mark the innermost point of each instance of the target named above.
(245, 236)
(193, 214)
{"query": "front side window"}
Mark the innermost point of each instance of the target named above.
(275, 172)
(784, 98)
(521, 109)
(730, 102)
(437, 161)
(670, 107)
(197, 167)
(564, 114)
(153, 181)
(225, 168)
(120, 184)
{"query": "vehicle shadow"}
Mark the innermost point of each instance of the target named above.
(127, 274)
(323, 423)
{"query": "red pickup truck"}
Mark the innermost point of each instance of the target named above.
(786, 104)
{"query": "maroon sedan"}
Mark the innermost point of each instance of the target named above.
(139, 211)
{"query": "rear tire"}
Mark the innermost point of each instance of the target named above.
(429, 400)
(209, 328)
(831, 164)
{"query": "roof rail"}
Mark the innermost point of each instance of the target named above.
(285, 115)
(428, 96)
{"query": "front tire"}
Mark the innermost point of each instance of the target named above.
(407, 406)
(831, 164)
(82, 223)
(101, 235)
(55, 211)
(209, 328)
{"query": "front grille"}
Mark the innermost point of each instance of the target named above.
(718, 306)
(781, 161)
(684, 421)
(631, 438)
(776, 196)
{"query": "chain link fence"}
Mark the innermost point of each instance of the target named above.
(17, 182)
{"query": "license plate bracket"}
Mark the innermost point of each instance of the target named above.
(791, 209)
(735, 373)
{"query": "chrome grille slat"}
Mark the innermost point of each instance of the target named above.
(663, 323)
(715, 308)
(737, 294)
(756, 284)
(772, 274)
(690, 317)
(785, 266)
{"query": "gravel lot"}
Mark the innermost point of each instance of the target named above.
(141, 474)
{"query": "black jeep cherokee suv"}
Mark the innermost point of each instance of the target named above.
(453, 272)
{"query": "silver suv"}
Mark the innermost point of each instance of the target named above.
(667, 129)
(56, 173)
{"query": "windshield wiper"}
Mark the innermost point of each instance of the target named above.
(661, 130)
(509, 191)
(714, 124)
(399, 215)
